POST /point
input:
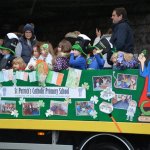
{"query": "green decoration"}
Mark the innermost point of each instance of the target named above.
(114, 50)
(146, 113)
(144, 52)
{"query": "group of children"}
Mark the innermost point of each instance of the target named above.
(66, 55)
(75, 51)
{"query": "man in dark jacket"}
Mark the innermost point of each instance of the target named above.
(122, 35)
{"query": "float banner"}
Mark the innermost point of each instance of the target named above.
(42, 92)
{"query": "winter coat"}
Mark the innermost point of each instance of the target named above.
(32, 62)
(122, 37)
(95, 62)
(78, 62)
(6, 63)
(62, 62)
(24, 50)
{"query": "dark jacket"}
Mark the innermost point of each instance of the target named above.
(6, 63)
(122, 37)
(26, 49)
(95, 62)
(78, 62)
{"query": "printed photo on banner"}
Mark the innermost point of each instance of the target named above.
(59, 108)
(30, 109)
(73, 78)
(101, 82)
(6, 107)
(121, 101)
(126, 81)
(84, 108)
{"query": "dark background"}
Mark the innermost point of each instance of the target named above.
(54, 18)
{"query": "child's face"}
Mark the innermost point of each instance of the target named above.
(76, 53)
(114, 59)
(94, 51)
(36, 54)
(5, 52)
(16, 66)
(44, 53)
(133, 80)
(59, 49)
(97, 80)
(132, 103)
(123, 97)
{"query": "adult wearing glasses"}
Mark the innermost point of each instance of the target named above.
(26, 42)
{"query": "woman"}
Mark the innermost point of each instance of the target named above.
(26, 42)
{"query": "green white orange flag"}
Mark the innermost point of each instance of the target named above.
(22, 75)
(32, 76)
(54, 78)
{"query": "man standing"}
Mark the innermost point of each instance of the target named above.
(122, 35)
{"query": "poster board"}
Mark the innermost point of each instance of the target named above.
(94, 95)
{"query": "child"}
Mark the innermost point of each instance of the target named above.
(95, 59)
(62, 58)
(6, 59)
(103, 42)
(76, 58)
(18, 64)
(45, 54)
(35, 56)
(7, 51)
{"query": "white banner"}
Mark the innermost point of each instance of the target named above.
(42, 92)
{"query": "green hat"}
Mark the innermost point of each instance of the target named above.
(4, 48)
(91, 48)
(78, 48)
(144, 52)
(10, 43)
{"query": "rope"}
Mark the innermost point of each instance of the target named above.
(116, 124)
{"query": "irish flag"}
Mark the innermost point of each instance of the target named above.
(21, 75)
(54, 78)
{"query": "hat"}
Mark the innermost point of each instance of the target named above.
(78, 48)
(10, 43)
(28, 27)
(45, 47)
(83, 40)
(72, 36)
(104, 44)
(91, 48)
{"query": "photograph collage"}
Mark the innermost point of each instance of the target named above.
(101, 84)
